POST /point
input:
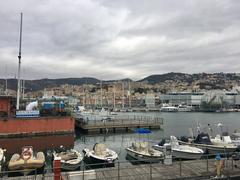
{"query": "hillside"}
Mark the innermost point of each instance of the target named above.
(35, 85)
(202, 80)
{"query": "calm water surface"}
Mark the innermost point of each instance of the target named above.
(177, 124)
(174, 124)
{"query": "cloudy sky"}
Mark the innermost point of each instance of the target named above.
(114, 39)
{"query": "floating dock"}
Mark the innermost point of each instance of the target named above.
(124, 123)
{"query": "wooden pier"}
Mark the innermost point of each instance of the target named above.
(191, 170)
(117, 123)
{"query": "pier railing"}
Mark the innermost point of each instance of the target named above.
(195, 169)
(126, 121)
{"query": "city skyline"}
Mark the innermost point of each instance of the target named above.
(116, 40)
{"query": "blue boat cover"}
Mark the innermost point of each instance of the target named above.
(142, 131)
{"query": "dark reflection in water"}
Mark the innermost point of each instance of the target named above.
(40, 143)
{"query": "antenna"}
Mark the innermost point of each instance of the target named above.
(19, 63)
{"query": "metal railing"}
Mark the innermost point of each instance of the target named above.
(121, 121)
(205, 167)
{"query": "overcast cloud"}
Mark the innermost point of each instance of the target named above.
(110, 39)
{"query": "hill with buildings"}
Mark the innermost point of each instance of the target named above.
(199, 81)
(36, 85)
(160, 83)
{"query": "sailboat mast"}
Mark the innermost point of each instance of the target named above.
(114, 97)
(123, 95)
(129, 89)
(101, 95)
(19, 64)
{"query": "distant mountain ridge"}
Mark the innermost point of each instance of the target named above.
(214, 80)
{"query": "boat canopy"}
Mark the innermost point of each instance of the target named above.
(203, 138)
(142, 131)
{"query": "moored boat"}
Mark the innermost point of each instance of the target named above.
(203, 141)
(27, 162)
(70, 159)
(100, 155)
(184, 108)
(168, 108)
(142, 152)
(180, 151)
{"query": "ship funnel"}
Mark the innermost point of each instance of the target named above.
(31, 105)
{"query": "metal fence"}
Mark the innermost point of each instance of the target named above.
(134, 169)
(121, 121)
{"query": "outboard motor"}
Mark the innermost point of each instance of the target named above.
(184, 139)
(162, 142)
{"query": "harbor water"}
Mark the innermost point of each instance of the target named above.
(177, 124)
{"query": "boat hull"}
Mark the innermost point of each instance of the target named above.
(70, 167)
(142, 157)
(213, 149)
(70, 164)
(95, 161)
(181, 154)
(186, 155)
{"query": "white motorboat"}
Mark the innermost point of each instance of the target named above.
(70, 159)
(180, 151)
(203, 141)
(142, 152)
(100, 155)
(2, 158)
(224, 140)
(184, 108)
(168, 108)
(236, 134)
(90, 115)
(28, 161)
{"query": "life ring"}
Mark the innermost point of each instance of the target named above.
(26, 154)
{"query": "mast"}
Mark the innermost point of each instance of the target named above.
(114, 96)
(129, 90)
(6, 82)
(101, 95)
(123, 95)
(19, 64)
